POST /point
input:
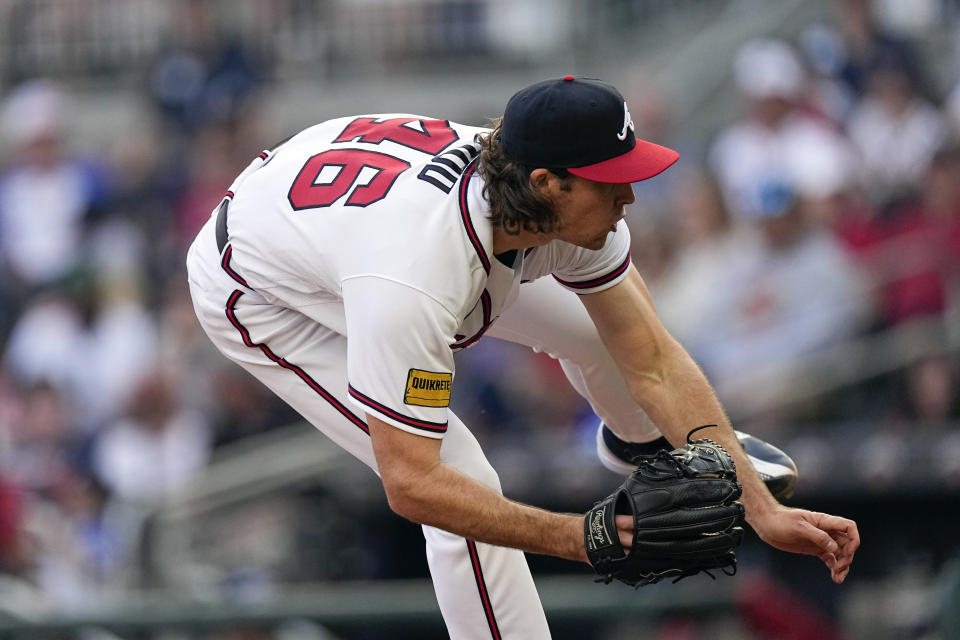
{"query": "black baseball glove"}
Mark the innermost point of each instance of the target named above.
(685, 517)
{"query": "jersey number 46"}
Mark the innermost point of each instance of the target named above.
(365, 174)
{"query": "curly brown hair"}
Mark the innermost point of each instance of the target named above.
(515, 203)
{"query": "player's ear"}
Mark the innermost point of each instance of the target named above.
(543, 180)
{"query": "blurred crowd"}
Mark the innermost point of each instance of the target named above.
(110, 396)
(827, 214)
(829, 211)
(808, 253)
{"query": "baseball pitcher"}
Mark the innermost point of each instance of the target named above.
(345, 269)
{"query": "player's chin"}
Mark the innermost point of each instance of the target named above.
(595, 244)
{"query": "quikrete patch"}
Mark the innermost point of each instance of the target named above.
(428, 388)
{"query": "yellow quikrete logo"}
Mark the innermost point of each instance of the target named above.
(428, 388)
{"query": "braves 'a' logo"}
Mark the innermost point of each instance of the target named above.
(627, 123)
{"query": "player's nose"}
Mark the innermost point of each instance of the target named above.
(624, 194)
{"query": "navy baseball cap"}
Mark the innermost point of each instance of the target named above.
(581, 125)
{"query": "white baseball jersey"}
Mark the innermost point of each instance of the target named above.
(375, 226)
(357, 260)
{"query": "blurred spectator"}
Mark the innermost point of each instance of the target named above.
(772, 611)
(952, 111)
(652, 113)
(218, 154)
(774, 136)
(940, 197)
(865, 42)
(148, 182)
(931, 393)
(156, 447)
(47, 197)
(511, 392)
(204, 86)
(17, 593)
(202, 78)
(182, 347)
(839, 203)
(92, 340)
(827, 94)
(242, 407)
(791, 291)
(653, 246)
(707, 246)
(895, 129)
(42, 434)
(52, 534)
(912, 252)
(13, 552)
(78, 556)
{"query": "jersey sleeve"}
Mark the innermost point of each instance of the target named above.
(399, 362)
(587, 271)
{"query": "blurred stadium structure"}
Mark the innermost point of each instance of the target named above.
(148, 489)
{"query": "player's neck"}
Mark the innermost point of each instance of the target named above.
(503, 241)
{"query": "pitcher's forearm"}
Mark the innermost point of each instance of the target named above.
(449, 500)
(679, 399)
(420, 487)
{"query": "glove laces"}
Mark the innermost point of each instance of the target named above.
(693, 431)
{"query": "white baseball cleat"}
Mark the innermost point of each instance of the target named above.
(775, 468)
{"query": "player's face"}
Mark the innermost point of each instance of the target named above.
(589, 211)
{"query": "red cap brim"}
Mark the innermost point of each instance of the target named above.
(644, 161)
